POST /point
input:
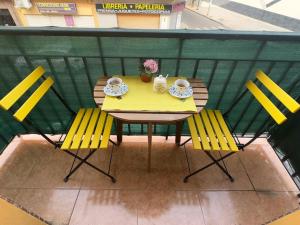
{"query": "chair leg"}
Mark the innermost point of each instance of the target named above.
(84, 160)
(111, 154)
(215, 161)
(219, 165)
(187, 158)
(183, 144)
(167, 134)
(66, 178)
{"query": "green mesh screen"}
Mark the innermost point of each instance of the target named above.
(77, 58)
(285, 140)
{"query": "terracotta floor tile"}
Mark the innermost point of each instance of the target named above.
(277, 204)
(53, 205)
(230, 207)
(9, 193)
(17, 167)
(53, 166)
(213, 178)
(265, 169)
(105, 207)
(169, 207)
(129, 166)
(32, 175)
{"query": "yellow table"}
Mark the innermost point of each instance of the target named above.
(141, 98)
(144, 106)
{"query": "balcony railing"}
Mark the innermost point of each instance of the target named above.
(78, 57)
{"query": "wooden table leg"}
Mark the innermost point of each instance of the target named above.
(119, 131)
(178, 132)
(149, 145)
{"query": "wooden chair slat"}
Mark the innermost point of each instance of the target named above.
(273, 111)
(194, 134)
(72, 131)
(226, 131)
(278, 92)
(209, 129)
(16, 93)
(31, 102)
(90, 130)
(81, 130)
(217, 130)
(106, 133)
(98, 131)
(202, 132)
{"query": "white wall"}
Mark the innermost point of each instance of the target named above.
(108, 20)
(178, 21)
(173, 20)
(59, 21)
(45, 20)
(164, 22)
(84, 21)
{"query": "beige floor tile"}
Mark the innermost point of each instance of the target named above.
(276, 204)
(94, 179)
(53, 205)
(9, 193)
(169, 207)
(105, 207)
(213, 178)
(230, 207)
(129, 166)
(53, 165)
(18, 166)
(265, 169)
(32, 175)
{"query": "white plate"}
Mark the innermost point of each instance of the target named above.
(186, 94)
(110, 92)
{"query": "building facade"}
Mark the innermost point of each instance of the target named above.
(8, 15)
(150, 14)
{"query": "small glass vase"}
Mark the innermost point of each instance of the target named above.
(145, 77)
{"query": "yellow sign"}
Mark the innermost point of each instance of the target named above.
(146, 8)
(57, 8)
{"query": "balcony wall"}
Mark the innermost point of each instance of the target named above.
(76, 58)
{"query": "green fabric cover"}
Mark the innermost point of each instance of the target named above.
(75, 63)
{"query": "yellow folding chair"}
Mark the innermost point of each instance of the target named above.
(90, 128)
(211, 132)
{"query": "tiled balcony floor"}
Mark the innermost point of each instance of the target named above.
(31, 174)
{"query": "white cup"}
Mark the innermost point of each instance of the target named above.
(181, 85)
(114, 83)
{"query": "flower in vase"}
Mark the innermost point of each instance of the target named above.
(150, 66)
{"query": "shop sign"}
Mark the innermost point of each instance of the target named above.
(57, 8)
(140, 8)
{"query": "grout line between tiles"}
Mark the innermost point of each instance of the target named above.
(74, 207)
(201, 208)
(137, 215)
(242, 163)
(134, 189)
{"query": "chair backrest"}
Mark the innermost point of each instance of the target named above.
(291, 104)
(17, 92)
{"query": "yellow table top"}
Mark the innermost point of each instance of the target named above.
(141, 98)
